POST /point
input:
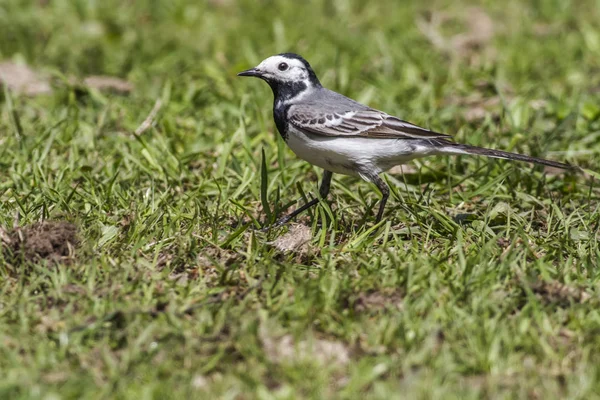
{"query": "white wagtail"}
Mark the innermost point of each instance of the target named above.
(342, 136)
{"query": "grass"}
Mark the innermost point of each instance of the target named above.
(481, 283)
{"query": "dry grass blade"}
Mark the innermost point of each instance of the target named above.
(150, 119)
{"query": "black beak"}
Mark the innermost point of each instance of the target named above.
(251, 72)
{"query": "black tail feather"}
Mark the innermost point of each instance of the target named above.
(482, 151)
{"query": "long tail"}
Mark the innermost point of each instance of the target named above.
(456, 148)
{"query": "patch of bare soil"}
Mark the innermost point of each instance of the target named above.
(378, 300)
(296, 240)
(46, 240)
(559, 293)
(22, 79)
(286, 349)
(475, 37)
(108, 83)
(483, 101)
(404, 169)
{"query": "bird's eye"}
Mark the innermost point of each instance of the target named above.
(282, 67)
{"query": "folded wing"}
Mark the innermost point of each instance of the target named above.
(359, 123)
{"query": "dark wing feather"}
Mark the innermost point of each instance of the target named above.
(356, 123)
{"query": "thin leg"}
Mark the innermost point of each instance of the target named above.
(385, 193)
(323, 192)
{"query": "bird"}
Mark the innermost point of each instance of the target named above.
(343, 136)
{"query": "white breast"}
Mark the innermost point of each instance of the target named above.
(350, 155)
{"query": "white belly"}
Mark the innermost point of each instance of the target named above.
(350, 155)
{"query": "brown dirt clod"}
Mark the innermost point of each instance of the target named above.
(46, 240)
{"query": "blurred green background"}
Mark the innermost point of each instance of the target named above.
(171, 294)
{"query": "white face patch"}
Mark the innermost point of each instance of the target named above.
(283, 69)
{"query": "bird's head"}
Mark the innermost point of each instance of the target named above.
(286, 73)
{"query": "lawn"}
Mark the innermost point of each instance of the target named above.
(135, 167)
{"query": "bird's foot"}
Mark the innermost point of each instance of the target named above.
(280, 222)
